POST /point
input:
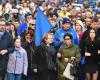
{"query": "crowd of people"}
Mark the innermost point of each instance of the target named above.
(75, 37)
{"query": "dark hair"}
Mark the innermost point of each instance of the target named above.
(8, 24)
(31, 32)
(88, 39)
(28, 14)
(95, 19)
(92, 29)
(16, 16)
(16, 39)
(83, 20)
(6, 16)
(69, 35)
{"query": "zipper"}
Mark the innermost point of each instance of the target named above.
(15, 64)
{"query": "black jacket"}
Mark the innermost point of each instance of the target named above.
(41, 54)
(30, 48)
(91, 47)
(6, 42)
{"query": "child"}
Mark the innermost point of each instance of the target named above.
(17, 63)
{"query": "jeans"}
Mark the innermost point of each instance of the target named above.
(11, 76)
(1, 77)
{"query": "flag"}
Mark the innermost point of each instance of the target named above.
(79, 2)
(21, 28)
(43, 26)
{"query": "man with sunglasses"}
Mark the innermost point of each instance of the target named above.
(66, 28)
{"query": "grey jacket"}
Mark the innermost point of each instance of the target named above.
(18, 62)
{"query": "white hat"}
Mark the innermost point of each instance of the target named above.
(80, 23)
(78, 8)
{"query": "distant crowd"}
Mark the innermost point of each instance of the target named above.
(74, 38)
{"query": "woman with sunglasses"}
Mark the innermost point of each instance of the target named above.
(67, 53)
(29, 45)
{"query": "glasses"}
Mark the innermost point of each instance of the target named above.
(67, 38)
(32, 24)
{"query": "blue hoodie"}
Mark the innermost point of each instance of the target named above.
(60, 34)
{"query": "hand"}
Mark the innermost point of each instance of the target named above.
(60, 39)
(66, 59)
(28, 40)
(3, 52)
(87, 54)
(35, 70)
(98, 51)
(59, 55)
(73, 58)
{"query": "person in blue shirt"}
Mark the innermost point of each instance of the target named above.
(66, 28)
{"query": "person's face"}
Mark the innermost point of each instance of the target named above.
(1, 10)
(88, 22)
(20, 11)
(66, 26)
(32, 5)
(98, 15)
(8, 28)
(68, 41)
(28, 18)
(88, 14)
(28, 37)
(53, 22)
(49, 40)
(16, 24)
(2, 26)
(83, 14)
(55, 17)
(94, 25)
(24, 5)
(84, 23)
(70, 7)
(79, 15)
(32, 26)
(18, 43)
(12, 27)
(92, 34)
(78, 27)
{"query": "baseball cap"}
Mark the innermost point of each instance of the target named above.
(66, 20)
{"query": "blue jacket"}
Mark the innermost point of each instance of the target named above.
(6, 42)
(60, 34)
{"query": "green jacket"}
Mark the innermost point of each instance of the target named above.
(67, 52)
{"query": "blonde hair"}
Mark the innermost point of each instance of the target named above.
(45, 37)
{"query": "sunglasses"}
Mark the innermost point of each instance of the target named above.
(67, 38)
(31, 24)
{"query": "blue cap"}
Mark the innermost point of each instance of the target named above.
(66, 20)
